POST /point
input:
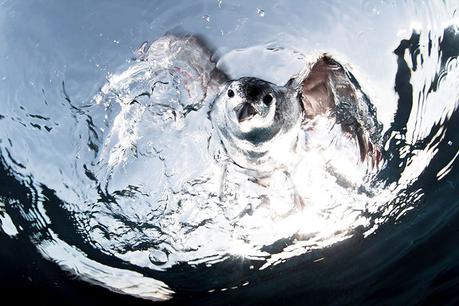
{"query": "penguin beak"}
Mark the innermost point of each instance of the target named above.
(260, 108)
(244, 112)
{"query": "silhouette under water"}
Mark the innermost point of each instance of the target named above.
(80, 196)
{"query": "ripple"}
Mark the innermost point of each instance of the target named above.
(121, 179)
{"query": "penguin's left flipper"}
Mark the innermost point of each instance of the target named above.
(330, 88)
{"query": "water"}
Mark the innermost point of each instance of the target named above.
(99, 190)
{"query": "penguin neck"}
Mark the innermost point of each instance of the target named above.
(265, 155)
(257, 137)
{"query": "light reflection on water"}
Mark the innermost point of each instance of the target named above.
(142, 182)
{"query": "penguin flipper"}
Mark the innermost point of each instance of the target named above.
(191, 60)
(329, 88)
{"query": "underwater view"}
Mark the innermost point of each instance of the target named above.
(219, 152)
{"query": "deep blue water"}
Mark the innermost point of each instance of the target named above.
(56, 56)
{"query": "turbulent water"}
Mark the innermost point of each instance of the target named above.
(112, 169)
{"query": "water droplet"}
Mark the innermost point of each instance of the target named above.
(206, 18)
(260, 12)
(116, 41)
(319, 259)
(450, 143)
(158, 257)
(220, 3)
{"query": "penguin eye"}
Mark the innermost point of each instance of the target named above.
(267, 99)
(230, 93)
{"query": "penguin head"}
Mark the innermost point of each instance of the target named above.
(252, 103)
(251, 108)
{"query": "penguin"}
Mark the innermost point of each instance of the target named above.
(260, 124)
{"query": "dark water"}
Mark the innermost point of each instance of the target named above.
(70, 233)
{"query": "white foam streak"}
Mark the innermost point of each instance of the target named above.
(119, 280)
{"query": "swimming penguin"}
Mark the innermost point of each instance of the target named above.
(259, 123)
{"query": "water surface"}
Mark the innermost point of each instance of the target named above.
(92, 184)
